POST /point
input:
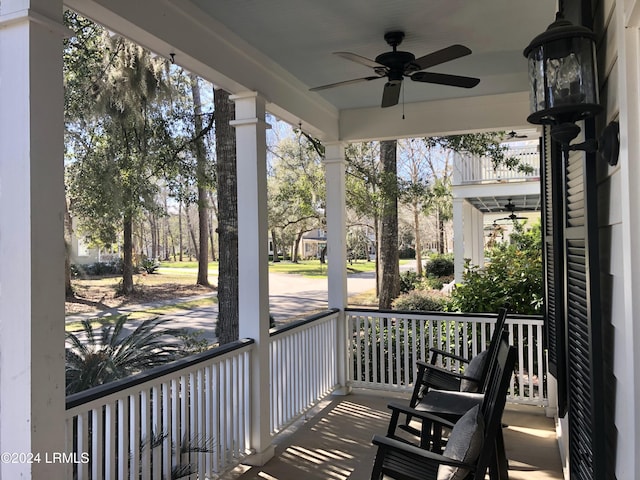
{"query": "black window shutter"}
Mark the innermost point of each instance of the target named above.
(584, 369)
(552, 208)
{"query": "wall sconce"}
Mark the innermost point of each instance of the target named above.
(563, 84)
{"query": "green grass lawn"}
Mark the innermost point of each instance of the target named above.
(194, 265)
(307, 268)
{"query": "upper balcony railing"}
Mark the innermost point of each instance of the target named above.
(471, 169)
(195, 414)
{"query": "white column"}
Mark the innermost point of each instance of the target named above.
(335, 166)
(458, 238)
(253, 260)
(477, 236)
(32, 382)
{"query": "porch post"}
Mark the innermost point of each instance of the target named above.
(253, 261)
(458, 238)
(335, 166)
(32, 381)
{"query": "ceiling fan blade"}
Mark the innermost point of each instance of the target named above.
(391, 93)
(441, 56)
(445, 79)
(359, 59)
(346, 82)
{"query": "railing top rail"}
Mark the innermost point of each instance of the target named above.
(310, 319)
(454, 316)
(86, 396)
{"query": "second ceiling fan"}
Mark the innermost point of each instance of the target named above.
(396, 65)
(510, 207)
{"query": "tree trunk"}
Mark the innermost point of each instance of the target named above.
(192, 233)
(416, 224)
(390, 285)
(127, 250)
(376, 236)
(213, 216)
(274, 245)
(201, 174)
(154, 235)
(228, 330)
(180, 230)
(167, 230)
(440, 233)
(296, 247)
(68, 235)
(212, 243)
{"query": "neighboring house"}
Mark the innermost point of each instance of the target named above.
(312, 244)
(482, 192)
(268, 55)
(81, 252)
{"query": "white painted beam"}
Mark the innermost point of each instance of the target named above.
(440, 117)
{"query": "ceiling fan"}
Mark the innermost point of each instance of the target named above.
(510, 207)
(514, 134)
(396, 65)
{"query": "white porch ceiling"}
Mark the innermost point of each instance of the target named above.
(281, 48)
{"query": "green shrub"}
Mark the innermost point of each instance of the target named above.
(513, 275)
(439, 266)
(407, 252)
(409, 280)
(421, 300)
(435, 283)
(149, 266)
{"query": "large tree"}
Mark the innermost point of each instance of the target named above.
(296, 190)
(415, 189)
(390, 284)
(228, 312)
(120, 143)
(202, 182)
(363, 192)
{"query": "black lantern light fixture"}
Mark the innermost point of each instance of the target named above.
(563, 85)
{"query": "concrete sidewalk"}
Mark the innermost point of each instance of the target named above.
(290, 296)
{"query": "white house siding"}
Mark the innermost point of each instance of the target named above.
(619, 220)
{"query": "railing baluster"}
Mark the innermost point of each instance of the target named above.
(167, 427)
(82, 428)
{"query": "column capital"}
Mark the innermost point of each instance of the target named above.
(246, 95)
(334, 152)
(17, 16)
(250, 108)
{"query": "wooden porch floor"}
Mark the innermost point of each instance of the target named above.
(334, 442)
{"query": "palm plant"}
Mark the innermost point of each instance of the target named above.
(94, 358)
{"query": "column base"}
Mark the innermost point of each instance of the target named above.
(342, 391)
(260, 459)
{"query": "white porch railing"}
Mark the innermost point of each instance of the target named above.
(192, 414)
(478, 170)
(195, 413)
(303, 366)
(384, 348)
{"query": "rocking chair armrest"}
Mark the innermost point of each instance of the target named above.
(420, 454)
(421, 414)
(444, 353)
(439, 370)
